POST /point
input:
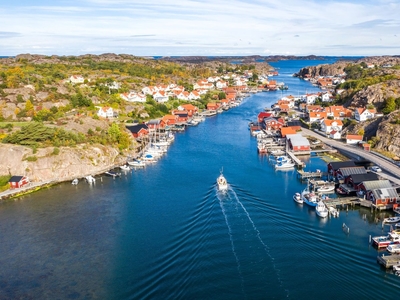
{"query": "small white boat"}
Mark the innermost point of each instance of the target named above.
(137, 163)
(392, 220)
(321, 210)
(297, 198)
(125, 168)
(75, 181)
(326, 188)
(222, 183)
(90, 179)
(333, 211)
(112, 174)
(394, 249)
(284, 165)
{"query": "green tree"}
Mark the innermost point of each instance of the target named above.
(389, 105)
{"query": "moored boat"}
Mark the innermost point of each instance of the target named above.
(284, 165)
(297, 198)
(384, 241)
(392, 220)
(75, 181)
(90, 179)
(125, 168)
(112, 174)
(137, 163)
(321, 210)
(326, 188)
(310, 198)
(394, 249)
(222, 183)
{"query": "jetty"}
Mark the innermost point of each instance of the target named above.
(297, 161)
(306, 175)
(388, 261)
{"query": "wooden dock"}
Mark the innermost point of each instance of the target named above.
(388, 261)
(306, 175)
(297, 161)
(343, 201)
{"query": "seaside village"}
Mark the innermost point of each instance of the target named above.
(277, 131)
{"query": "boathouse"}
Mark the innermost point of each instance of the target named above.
(139, 130)
(262, 115)
(334, 166)
(379, 192)
(273, 123)
(18, 181)
(297, 142)
(343, 173)
(155, 124)
(355, 179)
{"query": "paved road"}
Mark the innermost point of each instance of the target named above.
(389, 170)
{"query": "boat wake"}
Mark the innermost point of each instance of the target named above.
(244, 233)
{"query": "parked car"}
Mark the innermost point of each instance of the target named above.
(376, 169)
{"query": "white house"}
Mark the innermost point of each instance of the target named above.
(221, 84)
(194, 95)
(133, 97)
(336, 135)
(76, 79)
(309, 98)
(160, 96)
(353, 139)
(105, 112)
(327, 126)
(363, 114)
(326, 97)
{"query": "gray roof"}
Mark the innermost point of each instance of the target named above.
(352, 170)
(298, 140)
(385, 193)
(377, 184)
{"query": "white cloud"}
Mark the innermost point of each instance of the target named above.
(188, 27)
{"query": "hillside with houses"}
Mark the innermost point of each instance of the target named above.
(92, 104)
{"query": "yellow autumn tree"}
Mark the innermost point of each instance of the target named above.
(14, 77)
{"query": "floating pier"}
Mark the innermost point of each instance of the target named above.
(388, 261)
(306, 175)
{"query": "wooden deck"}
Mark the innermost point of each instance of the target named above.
(388, 261)
(335, 202)
(306, 175)
(297, 161)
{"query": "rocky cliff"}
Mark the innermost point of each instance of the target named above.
(388, 134)
(375, 94)
(47, 164)
(323, 70)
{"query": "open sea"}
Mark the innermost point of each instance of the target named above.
(165, 232)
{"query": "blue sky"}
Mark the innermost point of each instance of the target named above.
(200, 27)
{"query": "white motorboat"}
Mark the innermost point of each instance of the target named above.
(222, 183)
(326, 188)
(75, 181)
(297, 198)
(333, 211)
(392, 220)
(90, 179)
(112, 174)
(137, 163)
(125, 168)
(321, 209)
(285, 165)
(394, 249)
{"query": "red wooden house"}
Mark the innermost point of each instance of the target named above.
(169, 119)
(273, 123)
(155, 124)
(18, 181)
(297, 142)
(262, 115)
(139, 130)
(191, 109)
(212, 106)
(380, 192)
